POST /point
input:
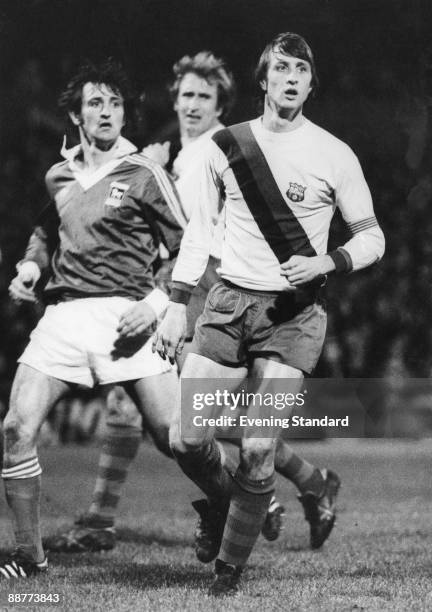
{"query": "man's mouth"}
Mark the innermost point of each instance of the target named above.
(105, 124)
(193, 117)
(291, 93)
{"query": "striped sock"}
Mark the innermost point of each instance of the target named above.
(119, 449)
(249, 505)
(304, 475)
(22, 483)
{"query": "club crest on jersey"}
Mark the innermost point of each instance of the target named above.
(116, 194)
(296, 192)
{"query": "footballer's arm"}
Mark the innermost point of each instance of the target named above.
(191, 262)
(37, 259)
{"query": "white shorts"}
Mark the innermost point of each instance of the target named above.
(74, 341)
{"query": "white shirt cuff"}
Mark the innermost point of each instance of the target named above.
(157, 300)
(30, 268)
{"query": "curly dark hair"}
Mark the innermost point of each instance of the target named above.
(211, 68)
(110, 73)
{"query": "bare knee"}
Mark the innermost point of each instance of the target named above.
(257, 459)
(19, 437)
(121, 410)
(181, 445)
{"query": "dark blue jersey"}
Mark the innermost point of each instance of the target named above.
(100, 236)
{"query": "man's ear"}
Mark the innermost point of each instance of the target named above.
(76, 119)
(263, 85)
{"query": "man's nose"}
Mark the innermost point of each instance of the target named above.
(193, 103)
(292, 77)
(106, 110)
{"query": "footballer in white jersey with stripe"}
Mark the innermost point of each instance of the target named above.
(282, 178)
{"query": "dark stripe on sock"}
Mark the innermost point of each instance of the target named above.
(106, 500)
(111, 474)
(247, 512)
(122, 447)
(238, 553)
(239, 526)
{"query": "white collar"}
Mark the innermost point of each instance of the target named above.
(122, 148)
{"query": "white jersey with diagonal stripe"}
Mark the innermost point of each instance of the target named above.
(308, 171)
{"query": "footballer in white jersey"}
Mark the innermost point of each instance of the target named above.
(282, 178)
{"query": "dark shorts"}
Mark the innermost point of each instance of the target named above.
(198, 299)
(239, 325)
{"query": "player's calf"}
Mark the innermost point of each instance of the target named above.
(247, 512)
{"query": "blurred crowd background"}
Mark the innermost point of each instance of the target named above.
(374, 59)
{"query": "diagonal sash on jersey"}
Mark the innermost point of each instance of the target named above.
(275, 219)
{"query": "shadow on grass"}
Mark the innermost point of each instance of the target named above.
(288, 548)
(143, 575)
(132, 536)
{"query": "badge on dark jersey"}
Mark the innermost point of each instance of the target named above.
(296, 192)
(116, 194)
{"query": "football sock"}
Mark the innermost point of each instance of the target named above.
(22, 487)
(204, 467)
(119, 449)
(248, 508)
(304, 475)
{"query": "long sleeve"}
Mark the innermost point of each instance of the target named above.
(196, 244)
(44, 239)
(355, 203)
(162, 198)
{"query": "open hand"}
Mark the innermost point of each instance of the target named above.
(169, 338)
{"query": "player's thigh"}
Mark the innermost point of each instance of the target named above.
(268, 368)
(32, 397)
(155, 396)
(203, 383)
(259, 440)
(266, 379)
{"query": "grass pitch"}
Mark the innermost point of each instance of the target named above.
(378, 558)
